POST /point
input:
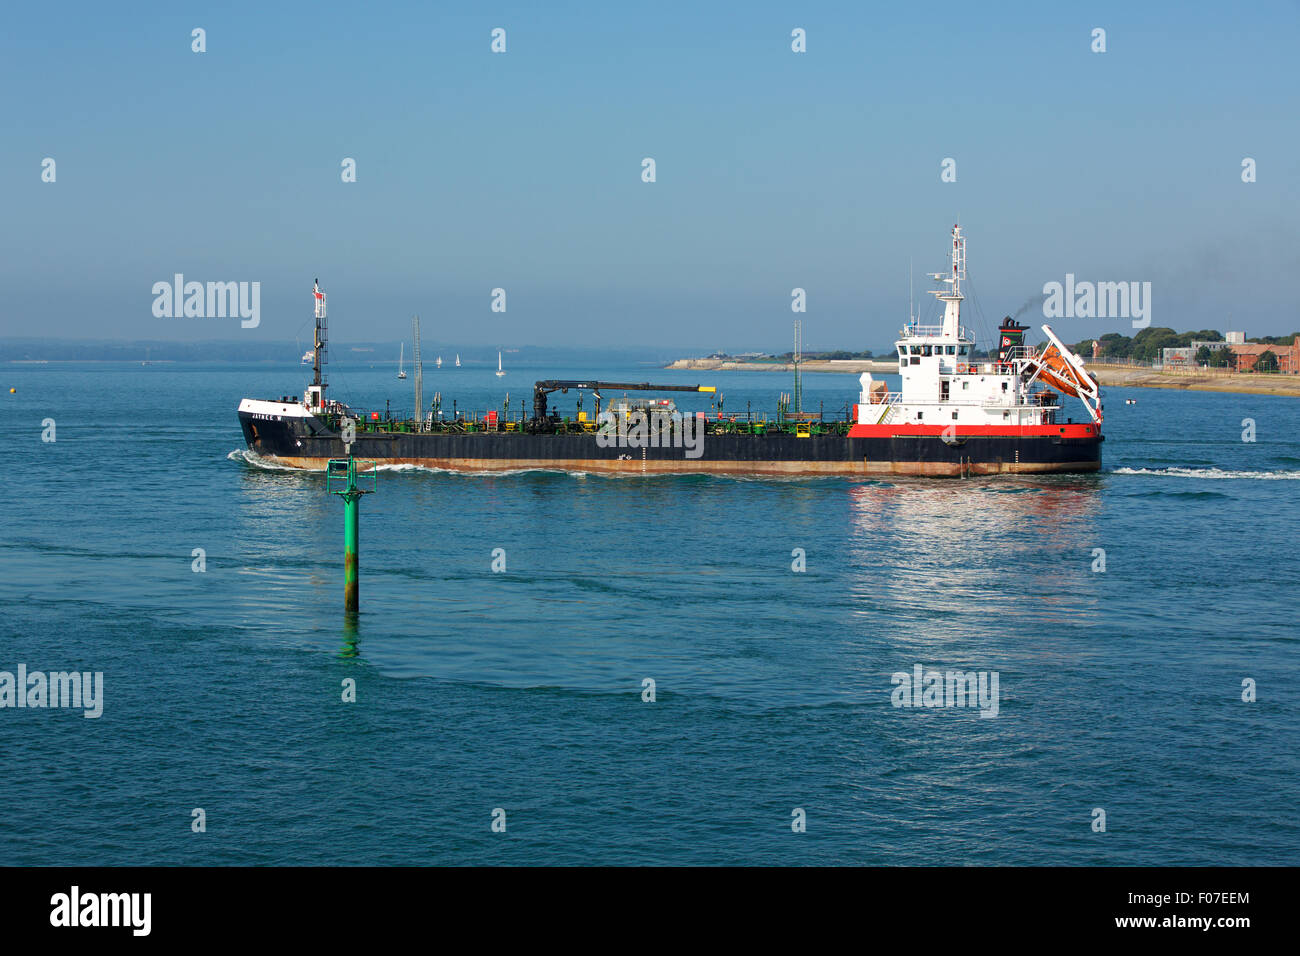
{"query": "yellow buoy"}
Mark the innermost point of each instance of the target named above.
(12, 390)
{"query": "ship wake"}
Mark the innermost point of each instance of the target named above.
(1210, 473)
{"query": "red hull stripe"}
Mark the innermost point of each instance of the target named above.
(981, 431)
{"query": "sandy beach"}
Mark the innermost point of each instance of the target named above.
(1198, 380)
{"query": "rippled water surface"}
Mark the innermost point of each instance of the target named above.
(522, 690)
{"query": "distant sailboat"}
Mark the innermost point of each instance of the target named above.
(401, 361)
(309, 357)
(458, 360)
(500, 371)
(439, 362)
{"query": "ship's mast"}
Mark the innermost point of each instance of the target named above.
(317, 391)
(797, 355)
(419, 371)
(952, 295)
(911, 306)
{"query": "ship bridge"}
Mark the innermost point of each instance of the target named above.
(944, 384)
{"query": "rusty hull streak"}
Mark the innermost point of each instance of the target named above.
(689, 467)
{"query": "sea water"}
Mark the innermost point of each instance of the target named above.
(1141, 624)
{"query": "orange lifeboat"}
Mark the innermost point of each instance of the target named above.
(1056, 371)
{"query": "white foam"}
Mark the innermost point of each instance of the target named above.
(257, 461)
(1210, 473)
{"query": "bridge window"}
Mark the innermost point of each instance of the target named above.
(961, 350)
(951, 350)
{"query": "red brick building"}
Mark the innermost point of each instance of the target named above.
(1288, 356)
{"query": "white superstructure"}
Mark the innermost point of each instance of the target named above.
(943, 384)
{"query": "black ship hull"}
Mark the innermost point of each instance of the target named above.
(309, 443)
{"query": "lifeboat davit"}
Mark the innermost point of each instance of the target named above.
(1059, 373)
(1059, 368)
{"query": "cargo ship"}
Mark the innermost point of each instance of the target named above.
(955, 414)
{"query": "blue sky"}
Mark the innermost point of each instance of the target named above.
(522, 170)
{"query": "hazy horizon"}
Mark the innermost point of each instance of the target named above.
(522, 170)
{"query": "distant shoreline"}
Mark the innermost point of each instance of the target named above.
(1248, 383)
(1120, 376)
(856, 366)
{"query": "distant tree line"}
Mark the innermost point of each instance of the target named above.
(1216, 358)
(1148, 344)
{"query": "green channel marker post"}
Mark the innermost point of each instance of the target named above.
(344, 471)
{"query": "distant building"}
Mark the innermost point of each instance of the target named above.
(1178, 358)
(1197, 345)
(1248, 353)
(1235, 338)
